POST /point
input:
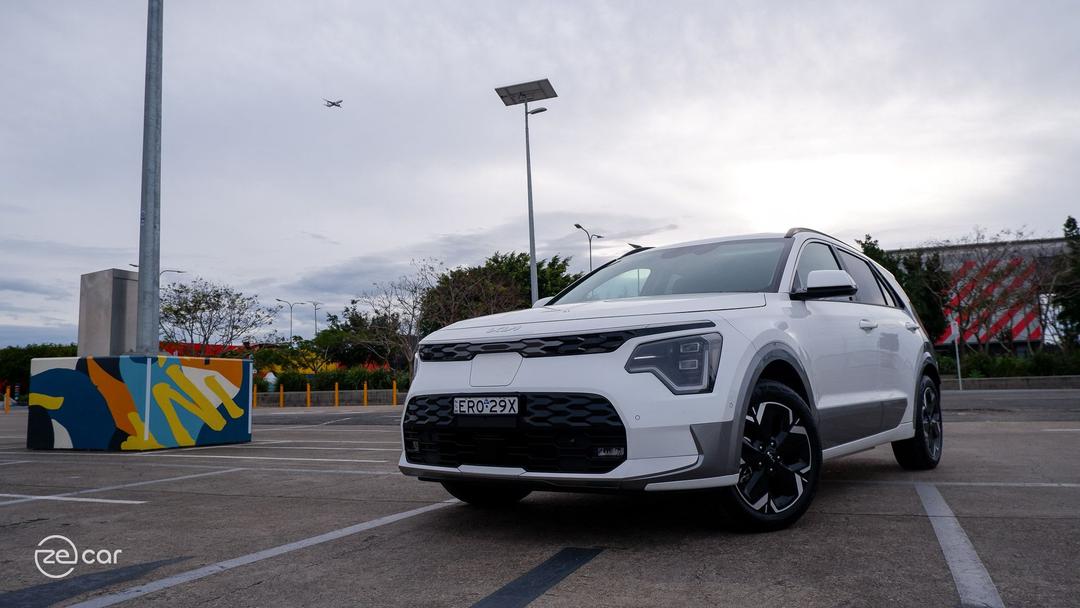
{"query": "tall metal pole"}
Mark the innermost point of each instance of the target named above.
(316, 305)
(149, 308)
(532, 231)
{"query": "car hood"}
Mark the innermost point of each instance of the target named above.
(598, 315)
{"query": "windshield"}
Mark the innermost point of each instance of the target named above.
(724, 267)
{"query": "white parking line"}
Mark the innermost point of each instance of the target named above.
(973, 582)
(247, 446)
(7, 462)
(988, 484)
(158, 455)
(236, 562)
(121, 486)
(73, 499)
(173, 465)
(1061, 430)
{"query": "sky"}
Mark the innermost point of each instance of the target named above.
(910, 121)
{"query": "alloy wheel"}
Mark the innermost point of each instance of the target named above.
(776, 458)
(931, 422)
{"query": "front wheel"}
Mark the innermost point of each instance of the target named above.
(488, 495)
(923, 451)
(780, 461)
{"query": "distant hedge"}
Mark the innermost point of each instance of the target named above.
(983, 365)
(347, 379)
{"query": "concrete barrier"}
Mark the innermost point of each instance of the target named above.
(1013, 383)
(138, 403)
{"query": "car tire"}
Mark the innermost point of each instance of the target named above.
(780, 462)
(487, 495)
(923, 451)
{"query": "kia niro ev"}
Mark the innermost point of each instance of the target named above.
(734, 365)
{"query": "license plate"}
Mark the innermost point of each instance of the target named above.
(485, 405)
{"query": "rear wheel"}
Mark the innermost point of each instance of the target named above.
(923, 451)
(482, 494)
(780, 461)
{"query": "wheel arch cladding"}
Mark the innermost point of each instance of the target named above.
(773, 362)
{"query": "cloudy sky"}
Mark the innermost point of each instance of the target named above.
(674, 121)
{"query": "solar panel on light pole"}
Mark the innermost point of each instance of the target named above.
(513, 95)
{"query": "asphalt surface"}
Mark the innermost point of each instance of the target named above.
(315, 512)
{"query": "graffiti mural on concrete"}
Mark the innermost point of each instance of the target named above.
(138, 403)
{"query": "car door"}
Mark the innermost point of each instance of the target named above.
(901, 361)
(879, 319)
(840, 354)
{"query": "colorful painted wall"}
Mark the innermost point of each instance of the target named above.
(138, 402)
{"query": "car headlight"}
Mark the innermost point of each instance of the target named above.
(685, 365)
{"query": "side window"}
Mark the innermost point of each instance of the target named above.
(814, 256)
(869, 290)
(890, 297)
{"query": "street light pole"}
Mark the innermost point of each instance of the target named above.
(148, 315)
(290, 305)
(533, 283)
(316, 305)
(591, 237)
(522, 94)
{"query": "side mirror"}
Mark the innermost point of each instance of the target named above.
(542, 302)
(826, 284)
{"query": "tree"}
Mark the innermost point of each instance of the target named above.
(15, 362)
(1066, 292)
(204, 314)
(397, 306)
(500, 284)
(923, 278)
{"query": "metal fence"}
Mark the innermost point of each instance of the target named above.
(326, 398)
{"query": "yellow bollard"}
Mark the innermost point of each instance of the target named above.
(365, 394)
(254, 395)
(336, 402)
(7, 400)
(393, 389)
(309, 394)
(281, 395)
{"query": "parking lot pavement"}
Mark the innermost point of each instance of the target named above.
(314, 511)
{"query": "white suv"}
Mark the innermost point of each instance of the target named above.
(734, 364)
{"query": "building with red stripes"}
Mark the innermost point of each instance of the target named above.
(1000, 289)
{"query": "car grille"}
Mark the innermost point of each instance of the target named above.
(552, 433)
(548, 346)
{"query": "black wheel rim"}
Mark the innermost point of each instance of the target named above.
(931, 422)
(777, 459)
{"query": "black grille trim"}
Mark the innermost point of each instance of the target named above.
(552, 433)
(549, 346)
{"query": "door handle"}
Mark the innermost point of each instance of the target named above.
(867, 324)
(911, 326)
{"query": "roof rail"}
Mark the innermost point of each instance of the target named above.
(797, 230)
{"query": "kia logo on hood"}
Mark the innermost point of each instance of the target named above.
(505, 329)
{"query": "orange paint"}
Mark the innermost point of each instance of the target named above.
(116, 395)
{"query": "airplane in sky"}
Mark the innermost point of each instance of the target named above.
(333, 104)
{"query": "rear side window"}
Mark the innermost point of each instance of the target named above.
(869, 291)
(814, 256)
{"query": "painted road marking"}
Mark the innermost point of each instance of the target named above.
(988, 484)
(259, 457)
(121, 486)
(7, 462)
(248, 446)
(973, 582)
(1061, 430)
(215, 466)
(73, 499)
(526, 588)
(258, 556)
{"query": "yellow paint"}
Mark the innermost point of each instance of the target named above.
(365, 393)
(393, 389)
(136, 441)
(281, 395)
(198, 404)
(309, 394)
(226, 399)
(46, 401)
(254, 395)
(7, 400)
(336, 402)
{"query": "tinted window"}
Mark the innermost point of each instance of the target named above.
(815, 256)
(890, 297)
(724, 267)
(869, 292)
